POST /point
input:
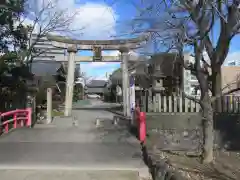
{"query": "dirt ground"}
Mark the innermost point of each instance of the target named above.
(226, 165)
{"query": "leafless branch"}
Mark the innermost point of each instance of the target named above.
(231, 91)
(192, 98)
(48, 19)
(229, 85)
(224, 94)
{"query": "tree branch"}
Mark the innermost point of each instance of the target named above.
(192, 98)
(224, 94)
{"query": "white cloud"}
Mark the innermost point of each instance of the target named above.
(117, 53)
(91, 20)
(98, 20)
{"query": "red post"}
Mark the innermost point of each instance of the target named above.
(142, 126)
(21, 123)
(15, 120)
(29, 117)
(6, 128)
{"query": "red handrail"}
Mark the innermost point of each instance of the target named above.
(21, 117)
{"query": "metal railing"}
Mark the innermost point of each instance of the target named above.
(14, 119)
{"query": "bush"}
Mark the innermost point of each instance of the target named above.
(77, 94)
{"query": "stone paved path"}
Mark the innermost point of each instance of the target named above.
(96, 104)
(72, 152)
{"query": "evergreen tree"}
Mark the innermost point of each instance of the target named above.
(13, 44)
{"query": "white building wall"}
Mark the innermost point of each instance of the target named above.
(188, 78)
(233, 63)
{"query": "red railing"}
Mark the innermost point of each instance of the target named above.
(141, 122)
(19, 118)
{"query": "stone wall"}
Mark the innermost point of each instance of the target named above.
(183, 131)
(181, 134)
(172, 120)
(175, 131)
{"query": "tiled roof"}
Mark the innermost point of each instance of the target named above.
(42, 69)
(96, 83)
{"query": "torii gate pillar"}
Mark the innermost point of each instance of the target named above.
(125, 82)
(70, 80)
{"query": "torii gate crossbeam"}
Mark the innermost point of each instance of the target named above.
(72, 46)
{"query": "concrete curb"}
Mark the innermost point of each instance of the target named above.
(143, 173)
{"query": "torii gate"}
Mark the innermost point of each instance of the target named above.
(72, 46)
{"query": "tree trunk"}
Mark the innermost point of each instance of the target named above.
(217, 88)
(208, 131)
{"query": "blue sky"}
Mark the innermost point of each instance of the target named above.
(105, 19)
(94, 19)
(235, 43)
(125, 9)
(99, 70)
(119, 12)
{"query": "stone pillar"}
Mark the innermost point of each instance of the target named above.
(83, 82)
(70, 80)
(132, 97)
(125, 82)
(49, 106)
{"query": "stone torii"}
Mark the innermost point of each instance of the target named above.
(72, 46)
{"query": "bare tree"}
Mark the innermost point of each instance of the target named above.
(183, 24)
(203, 17)
(85, 77)
(45, 18)
(232, 82)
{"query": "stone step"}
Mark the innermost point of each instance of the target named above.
(55, 174)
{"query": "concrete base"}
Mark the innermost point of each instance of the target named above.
(68, 174)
